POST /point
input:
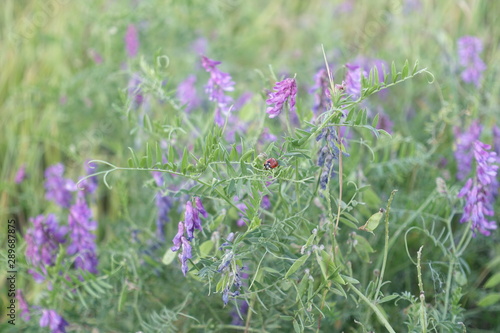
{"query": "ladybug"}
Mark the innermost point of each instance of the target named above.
(271, 163)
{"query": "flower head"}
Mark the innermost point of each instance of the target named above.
(131, 41)
(54, 321)
(479, 190)
(469, 49)
(177, 237)
(82, 239)
(283, 91)
(42, 244)
(216, 87)
(463, 150)
(57, 188)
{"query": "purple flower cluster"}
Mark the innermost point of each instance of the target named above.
(322, 99)
(57, 188)
(186, 93)
(134, 91)
(283, 91)
(131, 41)
(216, 87)
(191, 222)
(82, 239)
(479, 191)
(469, 48)
(54, 321)
(42, 244)
(463, 151)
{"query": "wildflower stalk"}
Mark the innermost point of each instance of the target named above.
(340, 182)
(386, 244)
(379, 314)
(423, 314)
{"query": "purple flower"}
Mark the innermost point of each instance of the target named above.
(353, 80)
(463, 150)
(322, 99)
(384, 122)
(23, 306)
(243, 310)
(20, 174)
(200, 45)
(82, 239)
(131, 41)
(266, 203)
(496, 140)
(200, 207)
(186, 93)
(42, 244)
(177, 237)
(469, 49)
(479, 191)
(164, 204)
(90, 184)
(54, 321)
(283, 91)
(216, 87)
(57, 188)
(242, 209)
(242, 100)
(186, 254)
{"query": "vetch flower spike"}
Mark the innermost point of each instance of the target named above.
(285, 90)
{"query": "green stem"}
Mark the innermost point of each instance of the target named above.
(423, 314)
(386, 245)
(379, 314)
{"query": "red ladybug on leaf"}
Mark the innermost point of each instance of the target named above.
(271, 163)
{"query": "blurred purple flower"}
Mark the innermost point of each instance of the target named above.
(216, 87)
(496, 140)
(200, 45)
(42, 244)
(95, 56)
(322, 99)
(469, 48)
(353, 80)
(164, 205)
(243, 310)
(384, 121)
(266, 136)
(20, 174)
(266, 203)
(463, 151)
(242, 209)
(53, 320)
(186, 93)
(82, 239)
(283, 91)
(57, 188)
(131, 41)
(90, 184)
(23, 306)
(479, 191)
(134, 91)
(242, 100)
(186, 254)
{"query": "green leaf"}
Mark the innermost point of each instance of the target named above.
(135, 160)
(375, 121)
(171, 154)
(394, 72)
(256, 221)
(349, 279)
(490, 299)
(149, 152)
(493, 281)
(388, 298)
(168, 257)
(184, 162)
(405, 70)
(206, 247)
(373, 221)
(296, 265)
